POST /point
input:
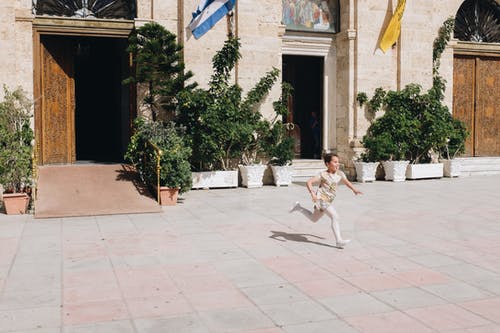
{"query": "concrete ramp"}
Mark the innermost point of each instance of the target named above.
(91, 189)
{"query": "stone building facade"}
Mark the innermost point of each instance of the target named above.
(341, 63)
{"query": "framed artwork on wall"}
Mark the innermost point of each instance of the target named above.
(311, 15)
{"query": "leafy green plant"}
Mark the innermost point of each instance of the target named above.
(158, 65)
(223, 128)
(362, 98)
(413, 125)
(175, 170)
(455, 143)
(278, 145)
(16, 138)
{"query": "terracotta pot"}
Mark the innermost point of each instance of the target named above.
(168, 196)
(15, 203)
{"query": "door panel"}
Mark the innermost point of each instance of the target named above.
(58, 102)
(463, 96)
(487, 127)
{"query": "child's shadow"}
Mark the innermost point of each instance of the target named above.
(296, 238)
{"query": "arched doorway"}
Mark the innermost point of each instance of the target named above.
(476, 75)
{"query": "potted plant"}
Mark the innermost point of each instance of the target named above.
(223, 128)
(415, 126)
(389, 137)
(16, 150)
(153, 140)
(366, 170)
(254, 129)
(279, 143)
(454, 145)
(366, 165)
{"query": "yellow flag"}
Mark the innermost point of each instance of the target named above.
(391, 33)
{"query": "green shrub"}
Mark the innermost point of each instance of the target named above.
(413, 126)
(223, 128)
(277, 144)
(175, 170)
(16, 138)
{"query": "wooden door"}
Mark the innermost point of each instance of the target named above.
(57, 101)
(463, 96)
(475, 102)
(487, 126)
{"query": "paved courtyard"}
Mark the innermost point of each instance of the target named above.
(424, 257)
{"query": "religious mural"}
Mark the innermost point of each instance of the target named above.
(311, 15)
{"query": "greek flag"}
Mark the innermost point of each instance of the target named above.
(208, 13)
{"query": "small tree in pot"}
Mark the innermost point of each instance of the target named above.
(175, 170)
(278, 144)
(224, 128)
(16, 150)
(454, 145)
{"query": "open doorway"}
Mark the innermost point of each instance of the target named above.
(84, 114)
(101, 101)
(305, 74)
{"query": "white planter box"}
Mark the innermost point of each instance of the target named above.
(282, 174)
(365, 171)
(426, 170)
(252, 175)
(395, 170)
(215, 179)
(452, 168)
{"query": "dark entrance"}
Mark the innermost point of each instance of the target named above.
(305, 74)
(84, 107)
(101, 101)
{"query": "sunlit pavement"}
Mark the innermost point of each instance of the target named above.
(424, 257)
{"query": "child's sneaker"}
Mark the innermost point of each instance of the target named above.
(295, 207)
(342, 243)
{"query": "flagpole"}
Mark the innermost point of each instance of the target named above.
(180, 26)
(232, 30)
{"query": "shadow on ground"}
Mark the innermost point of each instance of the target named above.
(284, 236)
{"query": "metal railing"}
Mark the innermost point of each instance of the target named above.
(34, 174)
(158, 154)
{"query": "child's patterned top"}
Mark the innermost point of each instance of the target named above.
(327, 189)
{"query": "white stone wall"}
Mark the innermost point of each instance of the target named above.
(16, 45)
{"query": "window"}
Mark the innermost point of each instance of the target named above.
(478, 21)
(311, 15)
(109, 9)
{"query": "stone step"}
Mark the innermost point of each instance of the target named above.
(306, 168)
(473, 166)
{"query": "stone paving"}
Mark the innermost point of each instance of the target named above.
(424, 257)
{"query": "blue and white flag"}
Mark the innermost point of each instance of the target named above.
(208, 13)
